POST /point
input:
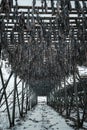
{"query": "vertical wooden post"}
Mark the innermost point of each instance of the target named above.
(18, 100)
(85, 105)
(60, 102)
(22, 99)
(66, 100)
(29, 98)
(14, 100)
(76, 95)
(26, 96)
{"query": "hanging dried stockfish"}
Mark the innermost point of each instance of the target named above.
(22, 21)
(62, 4)
(2, 28)
(66, 18)
(80, 29)
(53, 8)
(28, 25)
(2, 24)
(45, 5)
(12, 37)
(42, 5)
(65, 11)
(34, 3)
(32, 31)
(6, 5)
(32, 19)
(58, 7)
(78, 6)
(84, 4)
(68, 4)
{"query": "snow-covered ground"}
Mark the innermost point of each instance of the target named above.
(82, 70)
(42, 117)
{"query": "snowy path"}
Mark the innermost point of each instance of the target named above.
(42, 118)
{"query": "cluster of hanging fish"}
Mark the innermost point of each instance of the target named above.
(47, 53)
(6, 5)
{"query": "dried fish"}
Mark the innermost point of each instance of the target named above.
(6, 5)
(52, 6)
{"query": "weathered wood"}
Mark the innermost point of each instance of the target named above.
(9, 94)
(22, 103)
(6, 84)
(14, 99)
(8, 111)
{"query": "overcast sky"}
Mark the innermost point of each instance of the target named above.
(24, 2)
(29, 2)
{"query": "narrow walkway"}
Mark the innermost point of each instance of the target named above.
(42, 117)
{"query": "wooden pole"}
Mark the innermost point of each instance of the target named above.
(9, 117)
(22, 99)
(14, 100)
(66, 98)
(76, 95)
(6, 84)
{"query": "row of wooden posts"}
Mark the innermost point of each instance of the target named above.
(23, 99)
(71, 99)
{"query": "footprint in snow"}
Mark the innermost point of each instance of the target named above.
(34, 120)
(19, 123)
(29, 125)
(25, 128)
(14, 128)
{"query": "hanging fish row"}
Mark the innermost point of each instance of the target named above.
(47, 51)
(6, 5)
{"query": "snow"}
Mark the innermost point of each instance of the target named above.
(42, 99)
(42, 117)
(4, 123)
(82, 70)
